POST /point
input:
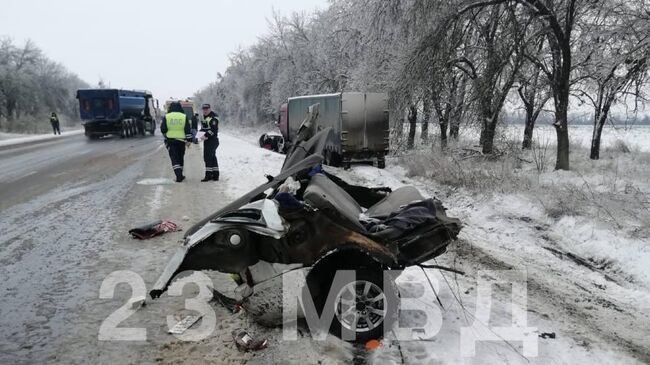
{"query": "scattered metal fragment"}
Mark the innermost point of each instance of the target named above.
(245, 342)
(184, 324)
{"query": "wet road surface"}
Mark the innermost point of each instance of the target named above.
(59, 202)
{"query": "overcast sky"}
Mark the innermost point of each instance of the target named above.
(169, 47)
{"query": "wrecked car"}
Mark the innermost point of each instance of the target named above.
(307, 219)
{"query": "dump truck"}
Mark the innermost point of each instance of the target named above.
(359, 121)
(125, 113)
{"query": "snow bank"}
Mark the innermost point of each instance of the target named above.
(20, 139)
(243, 164)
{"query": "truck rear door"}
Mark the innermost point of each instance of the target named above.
(103, 107)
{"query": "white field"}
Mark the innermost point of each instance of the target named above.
(637, 138)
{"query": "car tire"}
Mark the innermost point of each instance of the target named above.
(373, 308)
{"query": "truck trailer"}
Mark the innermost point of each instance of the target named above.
(359, 121)
(125, 113)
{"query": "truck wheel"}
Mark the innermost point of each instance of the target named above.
(153, 127)
(126, 129)
(362, 306)
(346, 164)
(381, 163)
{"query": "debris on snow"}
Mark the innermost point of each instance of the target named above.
(137, 302)
(184, 324)
(153, 229)
(547, 335)
(245, 342)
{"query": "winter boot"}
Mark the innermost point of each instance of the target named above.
(215, 175)
(179, 175)
(208, 176)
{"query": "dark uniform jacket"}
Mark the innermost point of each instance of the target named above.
(210, 125)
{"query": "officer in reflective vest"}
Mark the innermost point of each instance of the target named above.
(210, 126)
(176, 129)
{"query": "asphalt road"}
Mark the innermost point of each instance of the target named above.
(64, 209)
(32, 170)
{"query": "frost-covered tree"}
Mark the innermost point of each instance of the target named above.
(455, 61)
(32, 86)
(617, 39)
(533, 91)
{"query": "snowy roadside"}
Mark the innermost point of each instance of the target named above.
(594, 314)
(9, 139)
(587, 279)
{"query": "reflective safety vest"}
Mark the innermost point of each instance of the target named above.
(176, 125)
(206, 123)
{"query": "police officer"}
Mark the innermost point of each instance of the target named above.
(195, 128)
(210, 126)
(176, 129)
(54, 121)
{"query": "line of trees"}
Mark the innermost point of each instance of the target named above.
(32, 86)
(451, 62)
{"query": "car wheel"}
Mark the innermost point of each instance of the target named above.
(381, 163)
(362, 307)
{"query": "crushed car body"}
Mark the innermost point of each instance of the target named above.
(306, 218)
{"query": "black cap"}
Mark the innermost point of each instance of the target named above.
(205, 106)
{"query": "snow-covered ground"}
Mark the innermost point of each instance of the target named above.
(635, 137)
(10, 139)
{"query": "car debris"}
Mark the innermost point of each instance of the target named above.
(185, 323)
(137, 302)
(153, 229)
(373, 345)
(547, 335)
(272, 142)
(306, 220)
(246, 342)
